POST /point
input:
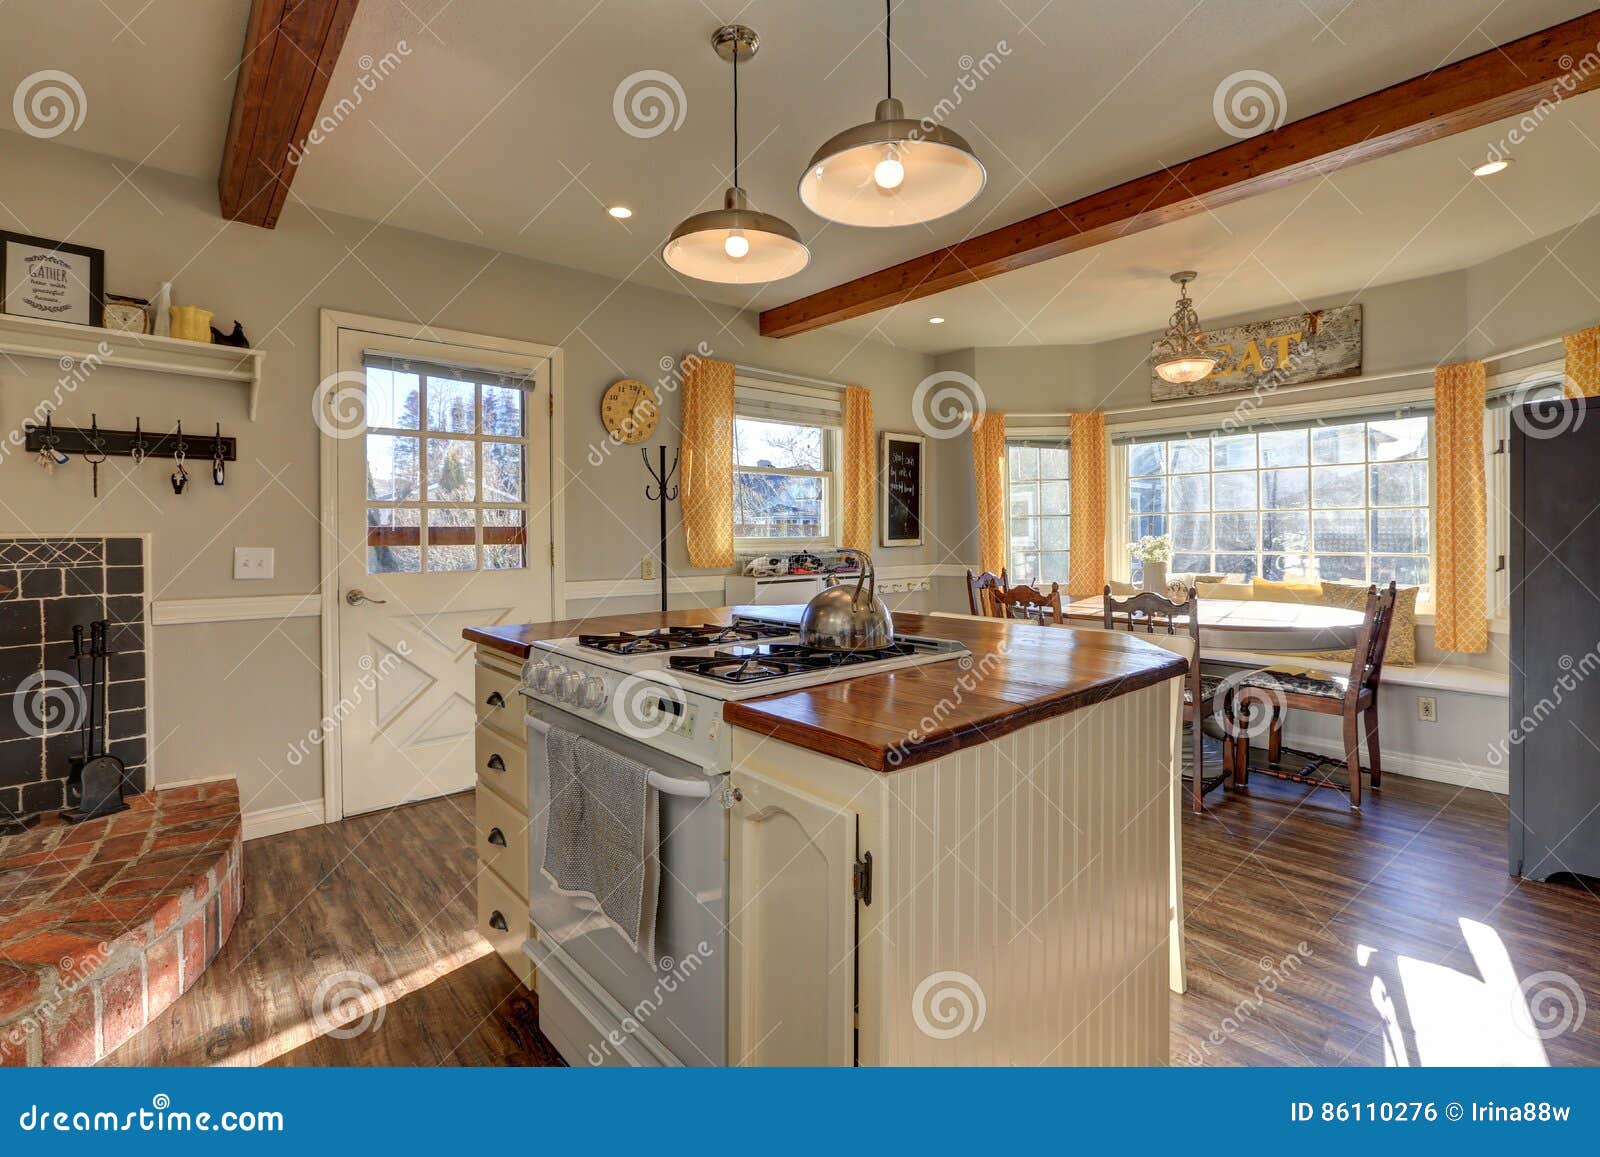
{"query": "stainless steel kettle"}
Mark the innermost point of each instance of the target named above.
(844, 619)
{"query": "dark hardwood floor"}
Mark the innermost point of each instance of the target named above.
(1405, 907)
(356, 945)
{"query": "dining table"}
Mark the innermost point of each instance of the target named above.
(1254, 624)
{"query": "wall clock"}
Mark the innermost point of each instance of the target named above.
(629, 411)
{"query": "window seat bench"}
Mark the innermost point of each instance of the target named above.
(1429, 676)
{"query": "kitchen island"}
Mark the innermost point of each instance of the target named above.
(958, 862)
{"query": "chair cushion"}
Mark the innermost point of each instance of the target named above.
(1298, 682)
(1208, 687)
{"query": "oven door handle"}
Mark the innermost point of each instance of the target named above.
(668, 785)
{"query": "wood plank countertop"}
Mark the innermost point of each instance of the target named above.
(1018, 674)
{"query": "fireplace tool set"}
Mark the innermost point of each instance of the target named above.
(94, 776)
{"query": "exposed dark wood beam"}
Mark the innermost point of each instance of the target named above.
(290, 49)
(1512, 79)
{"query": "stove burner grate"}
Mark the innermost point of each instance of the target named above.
(775, 660)
(680, 638)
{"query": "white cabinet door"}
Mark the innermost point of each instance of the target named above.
(791, 979)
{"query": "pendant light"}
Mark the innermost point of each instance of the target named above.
(735, 245)
(1181, 356)
(892, 170)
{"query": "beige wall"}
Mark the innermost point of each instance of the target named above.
(158, 226)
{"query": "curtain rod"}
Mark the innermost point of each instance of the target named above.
(783, 375)
(1190, 403)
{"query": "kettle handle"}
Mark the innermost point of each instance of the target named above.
(869, 575)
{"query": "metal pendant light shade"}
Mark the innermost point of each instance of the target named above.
(735, 245)
(893, 170)
(1182, 356)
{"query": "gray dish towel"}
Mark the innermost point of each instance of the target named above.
(602, 834)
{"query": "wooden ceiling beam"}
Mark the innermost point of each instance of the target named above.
(290, 49)
(1546, 67)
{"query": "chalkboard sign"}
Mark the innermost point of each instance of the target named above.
(901, 468)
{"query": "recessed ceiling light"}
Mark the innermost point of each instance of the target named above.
(620, 212)
(1490, 168)
(936, 321)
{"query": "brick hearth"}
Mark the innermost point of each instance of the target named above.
(104, 924)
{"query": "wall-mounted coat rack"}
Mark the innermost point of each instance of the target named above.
(138, 443)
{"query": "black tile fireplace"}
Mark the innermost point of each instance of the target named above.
(50, 586)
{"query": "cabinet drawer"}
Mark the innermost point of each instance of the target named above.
(503, 840)
(502, 764)
(497, 703)
(498, 904)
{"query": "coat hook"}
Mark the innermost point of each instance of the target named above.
(219, 471)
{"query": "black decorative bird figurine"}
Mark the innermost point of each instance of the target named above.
(236, 338)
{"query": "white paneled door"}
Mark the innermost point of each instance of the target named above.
(442, 521)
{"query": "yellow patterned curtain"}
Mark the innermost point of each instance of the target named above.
(860, 477)
(1460, 511)
(708, 461)
(989, 469)
(1086, 567)
(1583, 363)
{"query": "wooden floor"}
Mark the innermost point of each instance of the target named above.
(1315, 937)
(1418, 947)
(356, 945)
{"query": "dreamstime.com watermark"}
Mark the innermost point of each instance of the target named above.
(347, 1004)
(1574, 672)
(1248, 103)
(671, 379)
(676, 973)
(1276, 974)
(946, 403)
(971, 678)
(73, 971)
(75, 371)
(1574, 74)
(648, 103)
(373, 73)
(48, 103)
(948, 1004)
(973, 73)
(365, 684)
(160, 1117)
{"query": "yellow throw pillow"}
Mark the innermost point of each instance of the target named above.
(1237, 591)
(1402, 650)
(1309, 594)
(1122, 590)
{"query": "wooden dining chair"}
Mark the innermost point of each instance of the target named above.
(977, 598)
(1152, 612)
(1025, 602)
(1353, 697)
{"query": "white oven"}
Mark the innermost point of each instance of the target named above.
(601, 1002)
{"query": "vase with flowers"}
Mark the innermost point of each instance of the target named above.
(1155, 552)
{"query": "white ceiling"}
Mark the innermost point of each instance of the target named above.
(497, 129)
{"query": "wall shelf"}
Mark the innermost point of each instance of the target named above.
(55, 340)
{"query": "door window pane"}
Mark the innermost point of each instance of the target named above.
(393, 474)
(502, 411)
(394, 539)
(451, 406)
(452, 538)
(452, 470)
(394, 399)
(505, 540)
(502, 471)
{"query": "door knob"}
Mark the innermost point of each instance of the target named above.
(355, 596)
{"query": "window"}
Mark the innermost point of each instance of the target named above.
(783, 481)
(1039, 506)
(1343, 501)
(445, 454)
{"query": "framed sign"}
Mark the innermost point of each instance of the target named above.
(1265, 355)
(52, 279)
(901, 466)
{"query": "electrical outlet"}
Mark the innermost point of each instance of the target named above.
(1427, 709)
(252, 562)
(647, 567)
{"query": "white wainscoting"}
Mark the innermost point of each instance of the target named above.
(240, 609)
(1456, 772)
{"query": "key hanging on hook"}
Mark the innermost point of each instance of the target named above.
(180, 476)
(50, 455)
(138, 450)
(219, 472)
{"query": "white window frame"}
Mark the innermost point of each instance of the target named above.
(1021, 434)
(1345, 411)
(766, 400)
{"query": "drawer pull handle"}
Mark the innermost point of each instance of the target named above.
(496, 763)
(498, 922)
(497, 837)
(496, 699)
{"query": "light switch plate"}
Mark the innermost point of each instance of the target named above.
(252, 562)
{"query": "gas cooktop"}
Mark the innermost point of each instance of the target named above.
(776, 660)
(682, 638)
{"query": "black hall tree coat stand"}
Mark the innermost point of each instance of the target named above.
(663, 494)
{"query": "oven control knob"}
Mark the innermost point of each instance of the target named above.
(569, 687)
(533, 676)
(593, 693)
